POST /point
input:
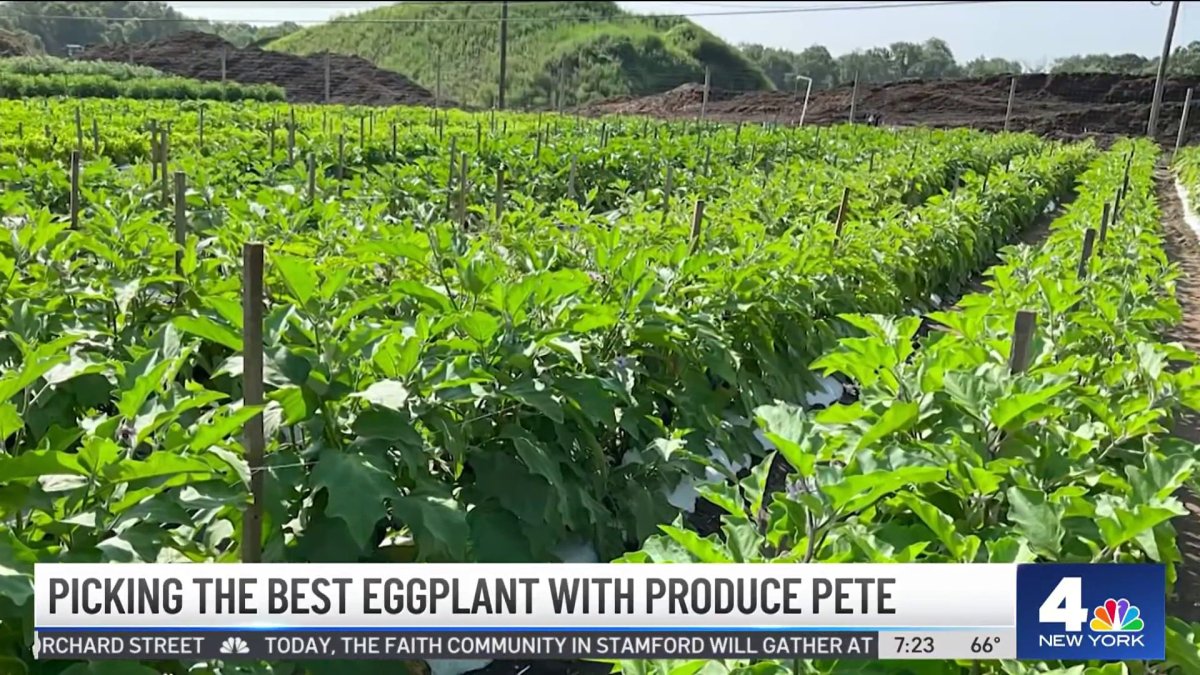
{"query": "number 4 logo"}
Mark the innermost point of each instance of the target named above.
(1065, 605)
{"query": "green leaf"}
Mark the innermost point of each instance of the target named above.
(497, 536)
(133, 398)
(439, 526)
(357, 485)
(589, 394)
(1009, 550)
(1038, 521)
(157, 464)
(1019, 410)
(857, 491)
(436, 300)
(298, 404)
(899, 417)
(221, 427)
(36, 364)
(388, 394)
(535, 394)
(387, 424)
(706, 550)
(1123, 525)
(207, 329)
(299, 276)
(789, 429)
(480, 326)
(937, 521)
(10, 420)
(37, 463)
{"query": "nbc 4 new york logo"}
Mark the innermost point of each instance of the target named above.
(1116, 623)
(1109, 612)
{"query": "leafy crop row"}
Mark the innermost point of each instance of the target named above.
(950, 456)
(53, 65)
(20, 86)
(443, 383)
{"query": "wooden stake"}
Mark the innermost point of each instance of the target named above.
(854, 97)
(571, 180)
(78, 130)
(697, 221)
(1125, 179)
(201, 130)
(1183, 119)
(153, 151)
(1089, 238)
(668, 187)
(95, 137)
(499, 195)
(74, 189)
(1012, 93)
(1104, 223)
(1022, 340)
(450, 175)
(164, 151)
(393, 140)
(180, 226)
(463, 186)
(252, 391)
(312, 179)
(341, 171)
(292, 142)
(843, 207)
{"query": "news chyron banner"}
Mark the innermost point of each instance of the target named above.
(599, 611)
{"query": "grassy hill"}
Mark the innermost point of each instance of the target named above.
(588, 50)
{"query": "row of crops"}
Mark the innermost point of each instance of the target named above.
(519, 338)
(35, 76)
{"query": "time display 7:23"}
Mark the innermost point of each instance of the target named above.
(914, 645)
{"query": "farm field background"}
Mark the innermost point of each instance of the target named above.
(521, 337)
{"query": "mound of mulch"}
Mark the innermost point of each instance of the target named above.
(353, 80)
(1063, 105)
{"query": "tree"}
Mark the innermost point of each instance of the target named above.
(816, 62)
(984, 67)
(907, 59)
(937, 60)
(117, 21)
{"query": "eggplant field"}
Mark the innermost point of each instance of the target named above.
(520, 337)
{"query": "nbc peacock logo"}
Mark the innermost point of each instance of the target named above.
(1117, 615)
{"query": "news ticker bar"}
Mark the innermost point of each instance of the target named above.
(526, 645)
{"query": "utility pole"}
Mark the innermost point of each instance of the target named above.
(503, 50)
(1162, 71)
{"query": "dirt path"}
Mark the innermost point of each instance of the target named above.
(1182, 248)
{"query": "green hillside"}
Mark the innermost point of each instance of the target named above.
(588, 50)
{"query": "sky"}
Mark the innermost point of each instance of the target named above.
(1034, 33)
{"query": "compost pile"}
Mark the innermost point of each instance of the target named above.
(1063, 105)
(353, 80)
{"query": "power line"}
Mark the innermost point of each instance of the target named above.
(580, 17)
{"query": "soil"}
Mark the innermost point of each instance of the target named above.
(197, 55)
(1065, 106)
(1182, 248)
